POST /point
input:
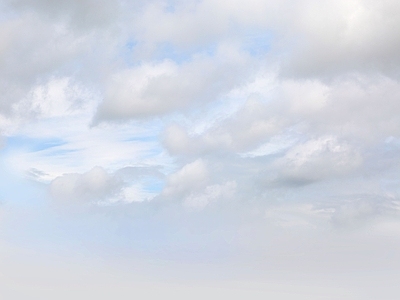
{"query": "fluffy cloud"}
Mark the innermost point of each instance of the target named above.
(78, 14)
(360, 109)
(217, 192)
(93, 186)
(30, 50)
(317, 38)
(154, 89)
(245, 129)
(302, 130)
(97, 186)
(317, 159)
(345, 36)
(194, 24)
(262, 130)
(191, 177)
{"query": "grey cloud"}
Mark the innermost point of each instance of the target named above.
(359, 109)
(334, 210)
(156, 89)
(94, 186)
(43, 41)
(170, 87)
(190, 177)
(326, 134)
(36, 174)
(211, 193)
(317, 159)
(255, 122)
(195, 187)
(31, 46)
(361, 209)
(133, 173)
(86, 14)
(316, 183)
(318, 38)
(195, 24)
(362, 108)
(308, 160)
(31, 51)
(342, 36)
(98, 186)
(337, 39)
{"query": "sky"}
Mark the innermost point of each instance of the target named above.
(201, 149)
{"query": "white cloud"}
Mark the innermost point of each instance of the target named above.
(250, 125)
(193, 24)
(345, 36)
(86, 14)
(317, 159)
(94, 186)
(264, 132)
(136, 193)
(190, 177)
(30, 50)
(165, 87)
(304, 216)
(318, 38)
(357, 109)
(211, 193)
(361, 108)
(100, 187)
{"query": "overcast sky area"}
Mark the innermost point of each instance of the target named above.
(200, 149)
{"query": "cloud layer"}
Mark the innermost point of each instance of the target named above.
(199, 130)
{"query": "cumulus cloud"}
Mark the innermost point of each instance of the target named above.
(318, 38)
(93, 186)
(190, 177)
(247, 130)
(252, 124)
(160, 88)
(316, 159)
(193, 24)
(345, 36)
(98, 186)
(30, 50)
(217, 192)
(360, 111)
(299, 126)
(85, 14)
(361, 108)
